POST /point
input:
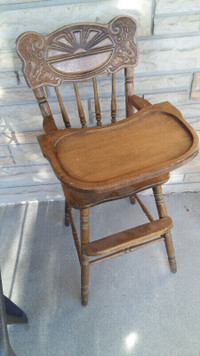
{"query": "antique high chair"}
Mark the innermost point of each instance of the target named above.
(104, 163)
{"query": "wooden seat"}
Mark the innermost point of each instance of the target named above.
(106, 162)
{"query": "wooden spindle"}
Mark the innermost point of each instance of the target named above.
(146, 211)
(129, 89)
(48, 121)
(80, 107)
(62, 108)
(97, 104)
(113, 100)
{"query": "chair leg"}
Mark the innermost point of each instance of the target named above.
(84, 227)
(162, 212)
(132, 199)
(67, 220)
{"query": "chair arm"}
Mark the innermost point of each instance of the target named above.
(138, 102)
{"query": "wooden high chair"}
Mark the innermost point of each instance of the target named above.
(107, 162)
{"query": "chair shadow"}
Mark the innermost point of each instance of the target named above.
(45, 280)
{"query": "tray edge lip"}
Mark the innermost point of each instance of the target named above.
(113, 183)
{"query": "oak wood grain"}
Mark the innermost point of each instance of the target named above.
(128, 238)
(78, 52)
(97, 103)
(126, 250)
(107, 162)
(137, 102)
(92, 159)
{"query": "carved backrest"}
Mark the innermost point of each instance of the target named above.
(77, 53)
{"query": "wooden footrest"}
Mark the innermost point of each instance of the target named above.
(128, 238)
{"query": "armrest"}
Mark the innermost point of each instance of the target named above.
(138, 102)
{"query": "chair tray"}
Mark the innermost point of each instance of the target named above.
(153, 141)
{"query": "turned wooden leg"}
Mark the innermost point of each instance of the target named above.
(162, 212)
(67, 220)
(132, 199)
(84, 227)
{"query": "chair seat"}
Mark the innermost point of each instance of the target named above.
(150, 143)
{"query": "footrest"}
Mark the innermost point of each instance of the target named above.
(128, 238)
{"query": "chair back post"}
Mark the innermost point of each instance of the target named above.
(129, 89)
(48, 121)
(62, 108)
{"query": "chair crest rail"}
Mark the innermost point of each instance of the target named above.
(77, 52)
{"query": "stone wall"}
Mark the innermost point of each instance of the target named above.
(168, 68)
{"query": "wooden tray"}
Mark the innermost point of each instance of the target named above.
(153, 141)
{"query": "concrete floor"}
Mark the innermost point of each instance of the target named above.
(136, 307)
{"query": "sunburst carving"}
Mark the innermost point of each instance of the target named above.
(73, 43)
(93, 46)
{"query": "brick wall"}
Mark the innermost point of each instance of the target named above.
(168, 69)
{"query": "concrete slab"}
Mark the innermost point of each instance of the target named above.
(136, 306)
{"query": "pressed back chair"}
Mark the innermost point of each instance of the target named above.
(106, 162)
